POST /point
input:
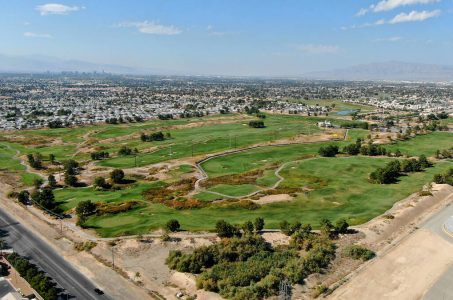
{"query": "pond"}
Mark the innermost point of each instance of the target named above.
(347, 112)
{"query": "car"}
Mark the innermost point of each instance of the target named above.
(98, 291)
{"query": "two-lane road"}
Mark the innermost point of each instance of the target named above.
(25, 243)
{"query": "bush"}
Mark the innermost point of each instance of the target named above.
(328, 151)
(341, 226)
(100, 182)
(446, 178)
(259, 224)
(248, 267)
(85, 208)
(256, 124)
(226, 230)
(99, 155)
(172, 225)
(117, 175)
(155, 136)
(359, 252)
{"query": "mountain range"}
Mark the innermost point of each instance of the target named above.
(388, 71)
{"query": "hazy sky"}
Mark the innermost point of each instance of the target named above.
(231, 37)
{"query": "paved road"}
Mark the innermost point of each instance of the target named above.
(27, 244)
(442, 289)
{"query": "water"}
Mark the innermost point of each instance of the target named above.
(347, 112)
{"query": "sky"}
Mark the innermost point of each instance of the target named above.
(230, 37)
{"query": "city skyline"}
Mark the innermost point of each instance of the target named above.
(230, 38)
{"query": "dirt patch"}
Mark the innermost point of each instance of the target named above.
(273, 199)
(276, 238)
(405, 272)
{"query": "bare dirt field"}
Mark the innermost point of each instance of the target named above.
(410, 260)
(405, 272)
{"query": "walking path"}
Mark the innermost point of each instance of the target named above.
(205, 176)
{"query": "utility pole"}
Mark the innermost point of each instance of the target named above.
(135, 160)
(285, 290)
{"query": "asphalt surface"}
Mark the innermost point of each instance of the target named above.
(443, 288)
(25, 243)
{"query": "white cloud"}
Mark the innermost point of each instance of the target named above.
(415, 16)
(387, 5)
(56, 9)
(152, 28)
(211, 31)
(390, 39)
(318, 49)
(37, 35)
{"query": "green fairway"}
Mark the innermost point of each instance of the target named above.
(338, 186)
(213, 138)
(340, 189)
(69, 197)
(234, 190)
(10, 163)
(426, 144)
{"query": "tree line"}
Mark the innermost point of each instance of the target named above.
(394, 169)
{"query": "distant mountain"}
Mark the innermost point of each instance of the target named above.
(41, 64)
(392, 71)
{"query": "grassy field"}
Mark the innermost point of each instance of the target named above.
(10, 163)
(68, 198)
(340, 189)
(339, 185)
(190, 137)
(424, 144)
(348, 195)
(214, 138)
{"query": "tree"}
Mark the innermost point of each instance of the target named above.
(256, 124)
(423, 161)
(247, 227)
(85, 208)
(23, 197)
(325, 227)
(100, 182)
(70, 180)
(117, 175)
(124, 150)
(226, 230)
(328, 151)
(259, 224)
(37, 182)
(52, 158)
(52, 181)
(172, 225)
(341, 226)
(70, 166)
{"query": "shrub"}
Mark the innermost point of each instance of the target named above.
(172, 225)
(226, 230)
(259, 224)
(341, 226)
(328, 151)
(256, 124)
(359, 252)
(85, 208)
(117, 175)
